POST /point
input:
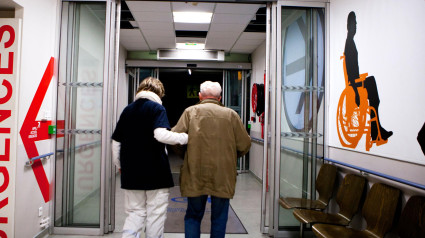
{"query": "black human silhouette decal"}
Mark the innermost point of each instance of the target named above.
(352, 66)
(421, 138)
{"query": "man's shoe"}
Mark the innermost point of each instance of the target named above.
(385, 134)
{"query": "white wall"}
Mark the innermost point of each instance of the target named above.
(390, 49)
(39, 44)
(389, 41)
(256, 151)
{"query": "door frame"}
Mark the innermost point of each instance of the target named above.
(270, 198)
(109, 97)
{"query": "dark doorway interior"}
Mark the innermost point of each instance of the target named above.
(182, 87)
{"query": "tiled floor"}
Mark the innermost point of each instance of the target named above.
(246, 203)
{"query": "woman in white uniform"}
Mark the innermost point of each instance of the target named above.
(139, 152)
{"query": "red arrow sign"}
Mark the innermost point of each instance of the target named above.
(27, 126)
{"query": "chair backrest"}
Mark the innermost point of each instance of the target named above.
(349, 195)
(412, 219)
(380, 207)
(325, 182)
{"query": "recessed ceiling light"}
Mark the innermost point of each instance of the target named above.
(192, 17)
(190, 46)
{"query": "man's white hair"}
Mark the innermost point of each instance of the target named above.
(209, 88)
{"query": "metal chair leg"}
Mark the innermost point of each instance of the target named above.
(301, 230)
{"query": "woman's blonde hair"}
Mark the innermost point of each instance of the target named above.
(153, 85)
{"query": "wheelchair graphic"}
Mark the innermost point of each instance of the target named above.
(353, 121)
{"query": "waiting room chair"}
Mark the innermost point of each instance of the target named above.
(412, 219)
(379, 209)
(325, 182)
(348, 199)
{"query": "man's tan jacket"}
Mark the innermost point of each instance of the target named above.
(217, 138)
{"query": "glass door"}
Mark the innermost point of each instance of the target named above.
(299, 108)
(235, 83)
(135, 77)
(269, 82)
(84, 191)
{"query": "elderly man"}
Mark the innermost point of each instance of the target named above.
(217, 138)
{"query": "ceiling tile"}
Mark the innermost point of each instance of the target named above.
(243, 49)
(191, 27)
(232, 18)
(159, 39)
(223, 34)
(228, 27)
(223, 41)
(155, 32)
(132, 40)
(128, 33)
(135, 46)
(156, 24)
(145, 6)
(160, 26)
(153, 16)
(250, 42)
(192, 7)
(162, 45)
(253, 36)
(218, 46)
(232, 8)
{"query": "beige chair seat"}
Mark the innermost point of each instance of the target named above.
(325, 230)
(311, 216)
(378, 211)
(324, 185)
(289, 203)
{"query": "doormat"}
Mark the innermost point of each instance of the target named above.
(177, 209)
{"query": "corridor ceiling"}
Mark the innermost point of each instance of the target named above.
(234, 28)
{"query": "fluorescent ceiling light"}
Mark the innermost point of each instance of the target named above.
(192, 17)
(190, 46)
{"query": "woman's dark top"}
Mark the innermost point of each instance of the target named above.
(144, 162)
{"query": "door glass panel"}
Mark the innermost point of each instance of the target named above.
(233, 99)
(79, 115)
(144, 73)
(234, 90)
(136, 76)
(131, 83)
(301, 136)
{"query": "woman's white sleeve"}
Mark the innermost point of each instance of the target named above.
(168, 137)
(116, 147)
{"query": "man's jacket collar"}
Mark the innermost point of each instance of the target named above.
(210, 100)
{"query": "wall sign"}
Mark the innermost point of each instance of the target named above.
(387, 115)
(10, 30)
(30, 125)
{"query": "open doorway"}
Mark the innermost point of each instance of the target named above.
(181, 91)
(182, 87)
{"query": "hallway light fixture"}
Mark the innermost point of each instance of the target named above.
(189, 71)
(190, 46)
(192, 17)
(198, 55)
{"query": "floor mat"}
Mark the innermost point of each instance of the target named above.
(177, 209)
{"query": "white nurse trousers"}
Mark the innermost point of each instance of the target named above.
(145, 209)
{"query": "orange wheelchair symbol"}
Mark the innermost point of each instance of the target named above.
(353, 121)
